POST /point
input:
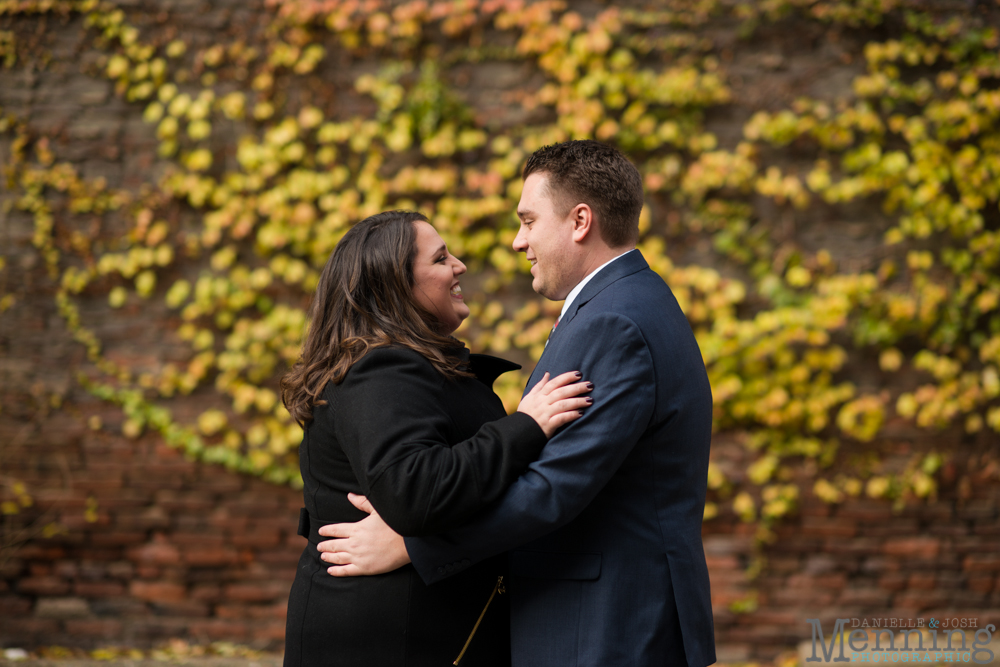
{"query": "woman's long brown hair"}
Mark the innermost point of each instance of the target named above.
(365, 300)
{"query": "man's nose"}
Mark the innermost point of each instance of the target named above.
(520, 244)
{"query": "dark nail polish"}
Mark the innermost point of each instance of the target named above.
(590, 386)
(578, 374)
(589, 400)
(581, 412)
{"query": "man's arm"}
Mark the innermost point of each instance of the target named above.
(576, 463)
(573, 467)
(391, 421)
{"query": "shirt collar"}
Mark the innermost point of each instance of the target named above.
(575, 292)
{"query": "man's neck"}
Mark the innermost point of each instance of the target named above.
(599, 256)
(568, 301)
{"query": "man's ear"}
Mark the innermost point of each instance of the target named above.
(584, 224)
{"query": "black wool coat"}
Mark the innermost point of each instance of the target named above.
(429, 452)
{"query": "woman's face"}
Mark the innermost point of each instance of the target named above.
(435, 279)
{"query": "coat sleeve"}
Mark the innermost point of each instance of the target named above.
(575, 464)
(390, 418)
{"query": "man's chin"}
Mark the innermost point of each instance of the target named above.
(544, 290)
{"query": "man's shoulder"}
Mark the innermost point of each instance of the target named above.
(632, 295)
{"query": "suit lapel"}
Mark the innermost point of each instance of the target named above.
(626, 265)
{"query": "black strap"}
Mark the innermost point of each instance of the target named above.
(309, 527)
(304, 522)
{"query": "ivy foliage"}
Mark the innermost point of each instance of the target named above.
(274, 177)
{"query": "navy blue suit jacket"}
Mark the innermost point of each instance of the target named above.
(606, 565)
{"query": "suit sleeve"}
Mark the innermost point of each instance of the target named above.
(390, 417)
(575, 464)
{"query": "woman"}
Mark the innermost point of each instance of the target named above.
(397, 410)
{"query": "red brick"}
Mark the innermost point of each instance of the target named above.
(797, 598)
(259, 538)
(99, 589)
(274, 631)
(158, 591)
(158, 552)
(14, 605)
(40, 552)
(97, 628)
(893, 581)
(12, 568)
(823, 581)
(43, 586)
(913, 547)
(725, 562)
(257, 592)
(218, 629)
(921, 600)
(40, 569)
(279, 610)
(727, 578)
(981, 583)
(145, 519)
(865, 511)
(184, 539)
(117, 538)
(982, 563)
(864, 597)
(158, 628)
(206, 592)
(922, 581)
(822, 527)
(27, 629)
(209, 556)
(183, 609)
(287, 558)
(783, 564)
(184, 501)
(120, 569)
(978, 509)
(236, 611)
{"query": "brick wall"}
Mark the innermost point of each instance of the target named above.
(176, 549)
(180, 549)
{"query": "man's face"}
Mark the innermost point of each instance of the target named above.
(546, 239)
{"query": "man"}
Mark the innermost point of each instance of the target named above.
(604, 530)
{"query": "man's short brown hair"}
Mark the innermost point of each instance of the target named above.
(592, 173)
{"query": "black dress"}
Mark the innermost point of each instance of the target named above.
(429, 452)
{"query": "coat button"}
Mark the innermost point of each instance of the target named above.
(440, 570)
(466, 563)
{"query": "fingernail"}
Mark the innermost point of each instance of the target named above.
(578, 374)
(581, 412)
(589, 400)
(590, 385)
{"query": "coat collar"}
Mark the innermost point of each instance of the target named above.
(488, 368)
(626, 265)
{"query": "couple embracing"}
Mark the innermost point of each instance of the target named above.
(585, 506)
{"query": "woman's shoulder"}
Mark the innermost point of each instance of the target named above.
(388, 364)
(393, 358)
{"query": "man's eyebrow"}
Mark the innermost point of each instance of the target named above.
(523, 213)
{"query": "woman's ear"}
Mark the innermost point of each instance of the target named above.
(583, 222)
